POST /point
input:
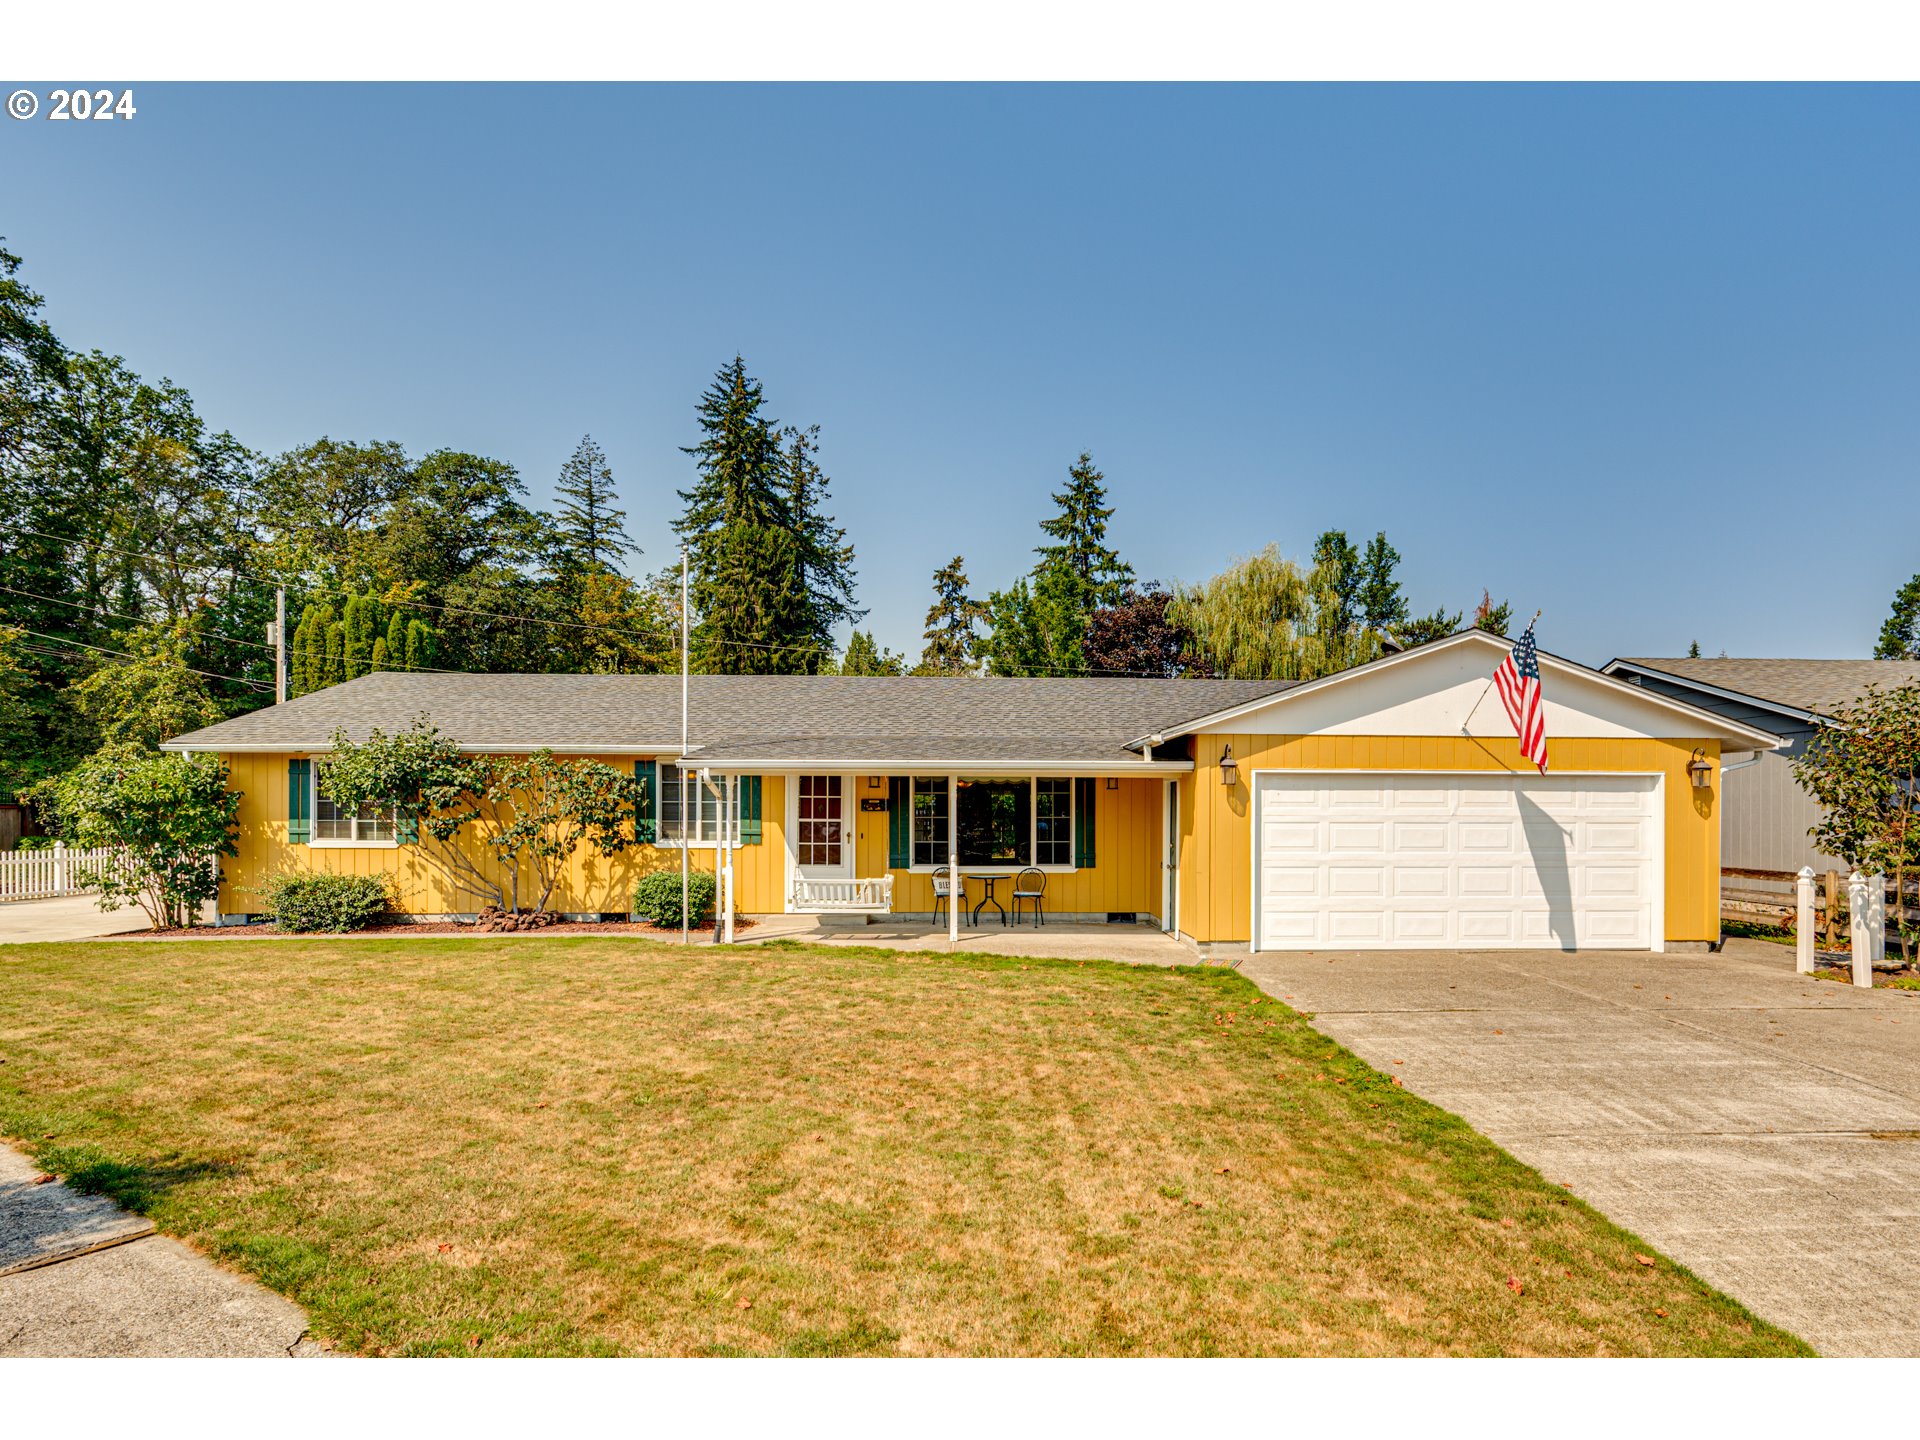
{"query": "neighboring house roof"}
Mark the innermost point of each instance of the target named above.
(1806, 687)
(1734, 734)
(751, 719)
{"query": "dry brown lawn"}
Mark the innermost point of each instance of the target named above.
(541, 1146)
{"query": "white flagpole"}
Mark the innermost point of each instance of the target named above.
(685, 939)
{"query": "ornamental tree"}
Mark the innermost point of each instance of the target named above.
(171, 817)
(1865, 772)
(528, 814)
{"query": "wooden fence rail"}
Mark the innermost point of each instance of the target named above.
(1766, 897)
(42, 874)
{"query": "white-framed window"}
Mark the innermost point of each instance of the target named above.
(703, 809)
(1003, 824)
(370, 825)
(929, 821)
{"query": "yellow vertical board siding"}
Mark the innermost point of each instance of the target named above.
(1216, 870)
(1125, 875)
(592, 882)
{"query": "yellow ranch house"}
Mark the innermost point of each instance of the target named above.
(1387, 806)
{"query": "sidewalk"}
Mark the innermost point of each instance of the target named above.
(71, 917)
(81, 1277)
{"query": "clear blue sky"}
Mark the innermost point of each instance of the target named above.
(1644, 357)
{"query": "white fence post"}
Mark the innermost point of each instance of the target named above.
(1861, 928)
(1877, 917)
(1803, 938)
(60, 870)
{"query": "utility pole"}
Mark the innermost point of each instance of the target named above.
(277, 635)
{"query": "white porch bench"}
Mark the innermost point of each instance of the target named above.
(872, 895)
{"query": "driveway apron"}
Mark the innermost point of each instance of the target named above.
(1760, 1127)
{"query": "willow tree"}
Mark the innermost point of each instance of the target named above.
(1265, 618)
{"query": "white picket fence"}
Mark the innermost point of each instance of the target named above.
(39, 874)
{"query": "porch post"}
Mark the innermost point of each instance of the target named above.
(955, 899)
(730, 824)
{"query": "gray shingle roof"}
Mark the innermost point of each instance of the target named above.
(850, 719)
(1818, 686)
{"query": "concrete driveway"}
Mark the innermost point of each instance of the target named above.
(71, 917)
(1760, 1128)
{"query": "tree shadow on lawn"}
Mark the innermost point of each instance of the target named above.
(136, 1185)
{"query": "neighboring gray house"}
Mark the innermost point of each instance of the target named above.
(1767, 815)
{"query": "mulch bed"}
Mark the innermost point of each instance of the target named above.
(637, 929)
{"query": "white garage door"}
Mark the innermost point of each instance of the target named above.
(1364, 860)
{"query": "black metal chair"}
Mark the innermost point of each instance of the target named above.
(943, 890)
(1030, 885)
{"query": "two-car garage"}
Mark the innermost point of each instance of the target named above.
(1359, 860)
(1390, 807)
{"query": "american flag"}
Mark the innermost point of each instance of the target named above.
(1518, 677)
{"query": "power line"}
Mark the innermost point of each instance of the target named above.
(231, 640)
(126, 655)
(117, 615)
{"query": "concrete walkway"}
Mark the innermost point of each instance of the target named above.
(71, 917)
(81, 1277)
(1062, 940)
(1760, 1128)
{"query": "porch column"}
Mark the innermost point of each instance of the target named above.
(955, 899)
(729, 826)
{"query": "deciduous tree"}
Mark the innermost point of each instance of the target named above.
(1864, 770)
(170, 817)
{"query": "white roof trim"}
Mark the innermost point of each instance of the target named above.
(1725, 694)
(1746, 736)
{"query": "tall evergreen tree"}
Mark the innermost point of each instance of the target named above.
(1383, 604)
(953, 644)
(865, 656)
(1079, 532)
(746, 554)
(825, 554)
(1900, 636)
(590, 530)
(1340, 559)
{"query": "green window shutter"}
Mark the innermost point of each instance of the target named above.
(643, 830)
(899, 822)
(1084, 789)
(749, 809)
(299, 802)
(408, 829)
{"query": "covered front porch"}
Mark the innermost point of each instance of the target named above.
(1047, 838)
(1026, 844)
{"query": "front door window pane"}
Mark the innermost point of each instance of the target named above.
(820, 821)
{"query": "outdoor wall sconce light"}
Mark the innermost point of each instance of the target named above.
(1700, 770)
(874, 782)
(1113, 782)
(1229, 768)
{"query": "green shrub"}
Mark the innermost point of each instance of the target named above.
(34, 842)
(327, 902)
(657, 897)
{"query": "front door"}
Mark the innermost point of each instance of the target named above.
(823, 839)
